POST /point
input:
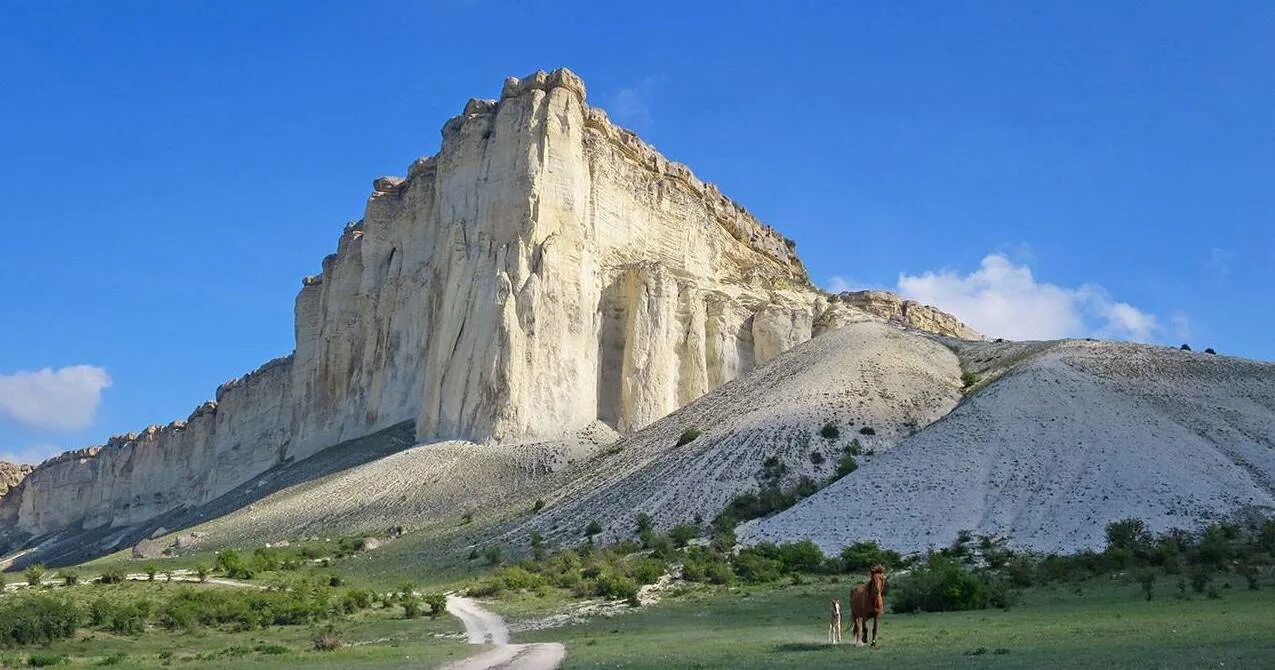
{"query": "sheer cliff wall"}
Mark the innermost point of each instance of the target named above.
(545, 270)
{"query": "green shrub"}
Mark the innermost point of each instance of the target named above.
(689, 435)
(861, 556)
(767, 500)
(69, 577)
(437, 603)
(649, 571)
(36, 620)
(594, 528)
(112, 575)
(230, 562)
(615, 586)
(45, 660)
(830, 431)
(701, 564)
(34, 573)
(846, 465)
(114, 659)
(121, 618)
(682, 534)
(867, 430)
(492, 555)
(411, 608)
(328, 639)
(968, 380)
(759, 564)
(803, 556)
(942, 584)
(540, 504)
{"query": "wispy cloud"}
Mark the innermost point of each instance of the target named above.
(32, 454)
(60, 400)
(631, 106)
(1004, 299)
(1219, 261)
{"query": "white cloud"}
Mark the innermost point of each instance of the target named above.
(32, 454)
(1181, 325)
(1219, 261)
(65, 399)
(1002, 299)
(630, 106)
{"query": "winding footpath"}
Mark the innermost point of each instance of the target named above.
(483, 627)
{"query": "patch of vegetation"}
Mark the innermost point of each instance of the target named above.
(39, 619)
(968, 380)
(34, 574)
(689, 435)
(830, 431)
(845, 465)
(943, 584)
(867, 430)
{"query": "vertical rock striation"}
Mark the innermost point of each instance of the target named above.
(544, 271)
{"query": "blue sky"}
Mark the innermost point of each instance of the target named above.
(169, 171)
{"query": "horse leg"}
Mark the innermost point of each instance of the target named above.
(875, 620)
(854, 630)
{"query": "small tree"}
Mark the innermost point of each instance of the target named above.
(150, 571)
(34, 574)
(201, 571)
(830, 431)
(69, 577)
(540, 504)
(492, 554)
(437, 603)
(594, 528)
(538, 552)
(1185, 347)
(682, 534)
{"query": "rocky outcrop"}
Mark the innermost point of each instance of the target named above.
(909, 313)
(546, 270)
(11, 474)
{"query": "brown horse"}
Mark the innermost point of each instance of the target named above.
(867, 601)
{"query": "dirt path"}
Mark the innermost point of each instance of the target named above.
(483, 627)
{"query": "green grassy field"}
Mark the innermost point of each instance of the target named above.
(375, 638)
(1102, 623)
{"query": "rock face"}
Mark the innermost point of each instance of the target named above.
(11, 474)
(546, 270)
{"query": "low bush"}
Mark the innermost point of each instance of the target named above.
(34, 574)
(45, 660)
(688, 436)
(437, 604)
(942, 584)
(36, 620)
(112, 575)
(867, 430)
(861, 556)
(846, 465)
(830, 431)
(328, 639)
(682, 534)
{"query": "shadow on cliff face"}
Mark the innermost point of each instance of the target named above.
(73, 546)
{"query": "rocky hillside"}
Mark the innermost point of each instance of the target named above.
(1074, 435)
(545, 272)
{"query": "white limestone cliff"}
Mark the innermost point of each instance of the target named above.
(544, 271)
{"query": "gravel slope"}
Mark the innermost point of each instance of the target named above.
(1079, 434)
(866, 375)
